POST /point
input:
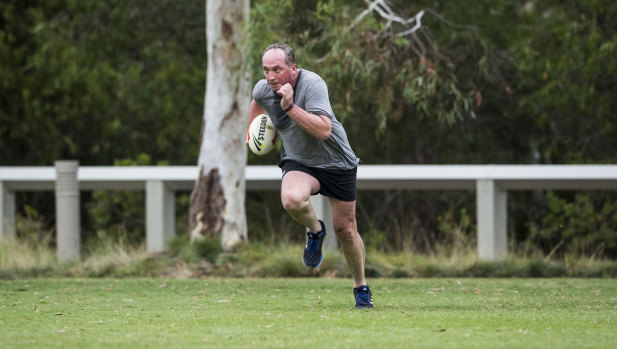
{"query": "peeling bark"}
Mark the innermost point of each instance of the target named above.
(207, 204)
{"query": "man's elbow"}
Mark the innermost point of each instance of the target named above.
(326, 129)
(325, 134)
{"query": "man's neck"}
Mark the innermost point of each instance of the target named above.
(295, 79)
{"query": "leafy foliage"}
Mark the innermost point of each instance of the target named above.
(375, 77)
(98, 81)
(505, 82)
(583, 228)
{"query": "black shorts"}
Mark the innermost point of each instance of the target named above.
(338, 184)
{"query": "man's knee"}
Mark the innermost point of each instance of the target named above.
(345, 233)
(292, 201)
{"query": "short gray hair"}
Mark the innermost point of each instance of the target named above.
(290, 57)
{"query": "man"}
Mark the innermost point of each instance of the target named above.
(315, 158)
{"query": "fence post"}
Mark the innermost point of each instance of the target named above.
(7, 212)
(492, 210)
(67, 210)
(160, 215)
(321, 206)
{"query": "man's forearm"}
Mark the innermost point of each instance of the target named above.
(318, 126)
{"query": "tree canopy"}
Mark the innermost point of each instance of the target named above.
(497, 81)
(100, 81)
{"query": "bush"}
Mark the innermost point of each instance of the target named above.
(581, 226)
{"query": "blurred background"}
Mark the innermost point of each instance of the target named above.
(484, 82)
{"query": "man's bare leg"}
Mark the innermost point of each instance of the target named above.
(346, 229)
(296, 188)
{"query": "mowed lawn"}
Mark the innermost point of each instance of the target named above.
(308, 313)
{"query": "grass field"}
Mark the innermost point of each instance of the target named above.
(308, 312)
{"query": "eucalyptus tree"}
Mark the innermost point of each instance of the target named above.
(217, 201)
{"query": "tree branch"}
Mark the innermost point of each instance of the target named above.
(412, 26)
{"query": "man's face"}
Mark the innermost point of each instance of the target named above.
(276, 71)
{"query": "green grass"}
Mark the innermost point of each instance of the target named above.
(307, 312)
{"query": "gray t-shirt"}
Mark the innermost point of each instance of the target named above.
(310, 94)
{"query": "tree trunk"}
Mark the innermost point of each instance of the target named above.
(217, 200)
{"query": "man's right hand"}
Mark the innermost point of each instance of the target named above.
(254, 110)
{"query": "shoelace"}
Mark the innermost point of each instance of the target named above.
(363, 297)
(313, 242)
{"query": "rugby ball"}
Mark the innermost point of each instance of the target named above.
(262, 135)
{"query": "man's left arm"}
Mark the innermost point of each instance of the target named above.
(318, 126)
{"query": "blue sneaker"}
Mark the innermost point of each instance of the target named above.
(364, 297)
(312, 256)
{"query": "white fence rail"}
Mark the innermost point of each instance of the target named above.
(491, 183)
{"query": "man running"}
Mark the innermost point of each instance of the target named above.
(315, 158)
